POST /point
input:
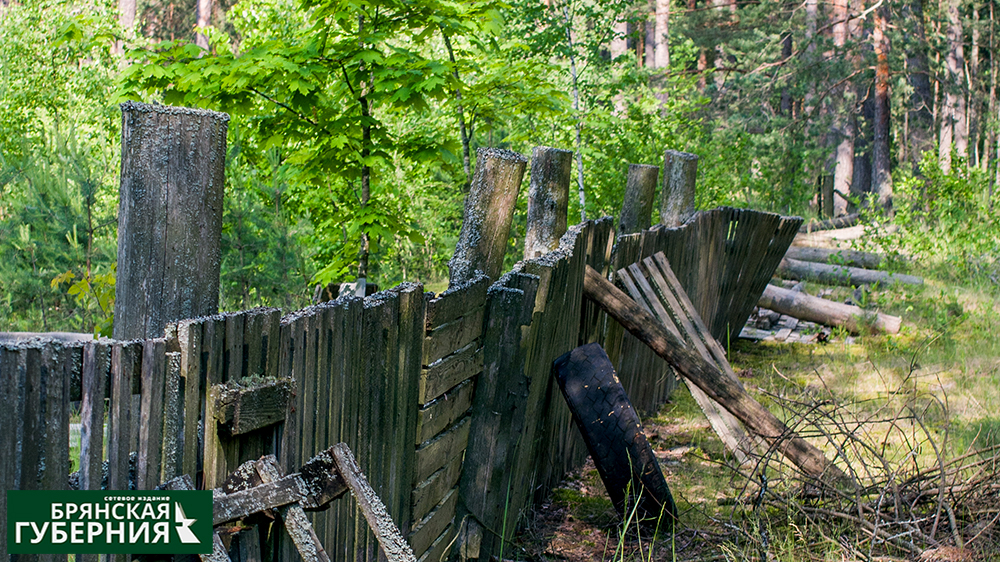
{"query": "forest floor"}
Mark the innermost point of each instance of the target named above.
(893, 409)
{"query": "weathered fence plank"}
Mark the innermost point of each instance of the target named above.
(548, 199)
(637, 206)
(489, 209)
(151, 421)
(680, 170)
(443, 411)
(172, 181)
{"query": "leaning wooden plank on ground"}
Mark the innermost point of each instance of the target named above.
(671, 305)
(815, 309)
(710, 379)
(840, 275)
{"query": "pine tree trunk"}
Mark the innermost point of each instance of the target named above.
(662, 58)
(920, 119)
(882, 178)
(972, 99)
(843, 127)
(954, 118)
(204, 20)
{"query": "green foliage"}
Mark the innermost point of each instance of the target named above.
(946, 221)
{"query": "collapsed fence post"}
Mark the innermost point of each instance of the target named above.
(637, 206)
(489, 209)
(169, 217)
(680, 170)
(548, 199)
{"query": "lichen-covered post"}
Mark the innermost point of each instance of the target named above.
(637, 207)
(548, 199)
(489, 209)
(677, 199)
(169, 217)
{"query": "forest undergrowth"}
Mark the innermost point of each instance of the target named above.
(913, 418)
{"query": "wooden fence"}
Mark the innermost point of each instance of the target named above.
(446, 400)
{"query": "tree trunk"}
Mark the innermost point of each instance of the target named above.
(954, 124)
(836, 257)
(786, 95)
(881, 174)
(972, 98)
(920, 119)
(840, 275)
(662, 56)
(637, 206)
(463, 130)
(204, 20)
(706, 376)
(843, 127)
(814, 309)
(489, 209)
(619, 43)
(579, 117)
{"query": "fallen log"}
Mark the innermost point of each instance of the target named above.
(840, 275)
(830, 224)
(851, 258)
(706, 376)
(822, 311)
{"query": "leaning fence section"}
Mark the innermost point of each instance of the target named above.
(446, 400)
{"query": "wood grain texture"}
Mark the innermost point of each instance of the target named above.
(637, 205)
(444, 374)
(489, 209)
(456, 301)
(443, 411)
(154, 372)
(548, 199)
(680, 172)
(437, 453)
(814, 309)
(244, 409)
(169, 217)
(447, 338)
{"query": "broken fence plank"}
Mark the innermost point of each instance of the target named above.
(245, 409)
(296, 522)
(148, 465)
(394, 547)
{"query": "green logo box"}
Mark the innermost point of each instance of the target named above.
(109, 522)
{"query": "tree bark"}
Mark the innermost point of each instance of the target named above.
(843, 128)
(920, 118)
(662, 51)
(706, 376)
(680, 173)
(954, 124)
(836, 257)
(489, 209)
(579, 117)
(813, 309)
(840, 275)
(881, 174)
(204, 20)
